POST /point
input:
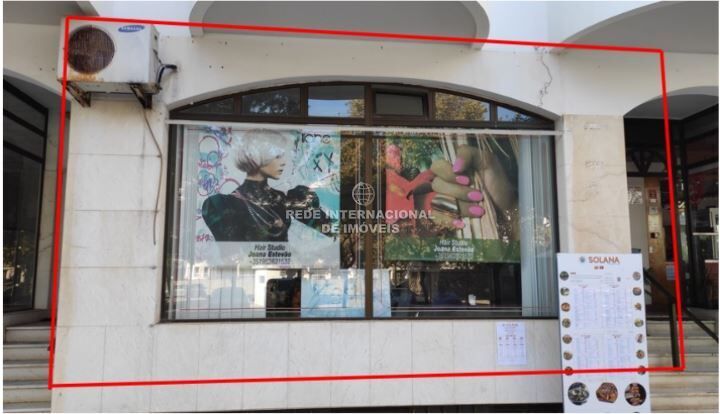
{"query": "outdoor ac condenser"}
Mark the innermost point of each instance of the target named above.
(110, 58)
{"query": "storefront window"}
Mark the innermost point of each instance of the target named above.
(274, 223)
(459, 207)
(339, 222)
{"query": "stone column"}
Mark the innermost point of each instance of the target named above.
(592, 185)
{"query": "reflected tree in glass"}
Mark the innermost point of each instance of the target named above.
(459, 108)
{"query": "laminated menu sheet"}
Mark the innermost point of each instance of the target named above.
(511, 343)
(602, 326)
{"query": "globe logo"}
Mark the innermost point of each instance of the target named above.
(363, 194)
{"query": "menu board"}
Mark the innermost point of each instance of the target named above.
(602, 326)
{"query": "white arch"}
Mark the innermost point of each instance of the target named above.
(570, 21)
(197, 14)
(652, 108)
(54, 89)
(474, 9)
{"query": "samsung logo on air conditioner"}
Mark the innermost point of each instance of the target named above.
(131, 28)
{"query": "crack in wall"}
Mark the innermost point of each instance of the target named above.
(544, 90)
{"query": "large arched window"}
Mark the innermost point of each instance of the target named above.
(348, 200)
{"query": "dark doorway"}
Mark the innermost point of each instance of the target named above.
(695, 175)
(24, 139)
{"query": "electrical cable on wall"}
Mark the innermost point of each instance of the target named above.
(159, 186)
(159, 150)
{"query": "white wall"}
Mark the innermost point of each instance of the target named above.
(578, 82)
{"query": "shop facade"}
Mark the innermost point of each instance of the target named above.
(421, 194)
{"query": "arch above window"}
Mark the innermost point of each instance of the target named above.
(353, 103)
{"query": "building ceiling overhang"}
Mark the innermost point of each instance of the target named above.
(452, 19)
(673, 26)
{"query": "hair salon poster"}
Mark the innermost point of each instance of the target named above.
(451, 197)
(602, 326)
(264, 197)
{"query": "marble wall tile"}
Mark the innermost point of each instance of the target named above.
(77, 400)
(125, 399)
(588, 139)
(168, 398)
(547, 356)
(128, 354)
(350, 355)
(90, 296)
(597, 234)
(175, 356)
(110, 239)
(221, 356)
(596, 188)
(391, 353)
(592, 184)
(80, 352)
(310, 355)
(97, 176)
(432, 351)
(110, 127)
(266, 355)
(473, 351)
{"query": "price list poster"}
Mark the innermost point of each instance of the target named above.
(602, 325)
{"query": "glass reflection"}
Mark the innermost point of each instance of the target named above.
(508, 115)
(459, 108)
(277, 102)
(336, 101)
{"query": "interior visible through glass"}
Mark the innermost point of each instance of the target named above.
(22, 178)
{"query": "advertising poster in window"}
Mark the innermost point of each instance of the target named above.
(451, 197)
(265, 198)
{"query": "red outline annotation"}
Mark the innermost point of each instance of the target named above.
(349, 34)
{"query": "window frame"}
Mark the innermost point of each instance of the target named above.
(370, 119)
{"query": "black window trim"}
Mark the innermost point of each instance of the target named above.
(371, 118)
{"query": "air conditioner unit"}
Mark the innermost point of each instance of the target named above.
(110, 58)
